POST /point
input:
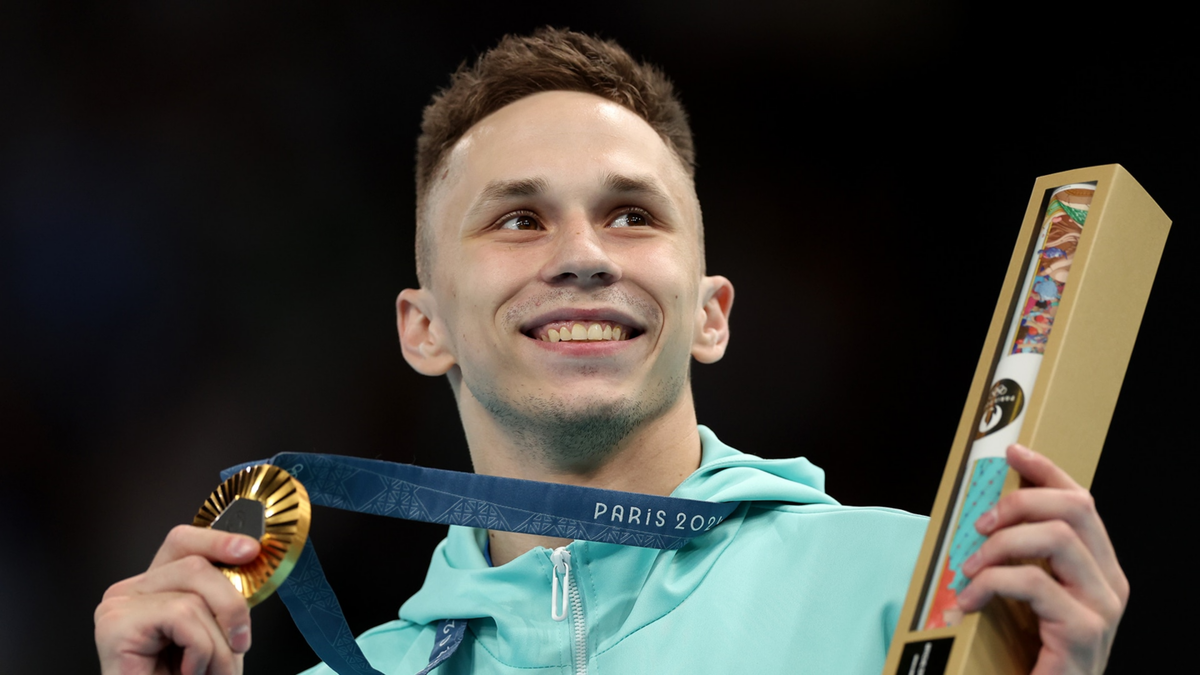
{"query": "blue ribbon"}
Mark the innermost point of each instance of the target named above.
(472, 500)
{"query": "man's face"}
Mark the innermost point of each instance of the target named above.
(567, 276)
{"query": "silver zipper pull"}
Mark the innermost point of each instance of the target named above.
(561, 559)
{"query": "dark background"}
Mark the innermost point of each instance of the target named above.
(207, 214)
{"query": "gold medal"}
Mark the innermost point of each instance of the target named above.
(267, 503)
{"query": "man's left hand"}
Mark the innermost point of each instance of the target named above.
(1080, 601)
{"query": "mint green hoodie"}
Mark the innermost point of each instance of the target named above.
(791, 582)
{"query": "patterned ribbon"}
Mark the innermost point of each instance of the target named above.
(472, 500)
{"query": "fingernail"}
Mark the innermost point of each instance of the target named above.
(239, 638)
(964, 600)
(970, 564)
(1021, 451)
(986, 522)
(242, 546)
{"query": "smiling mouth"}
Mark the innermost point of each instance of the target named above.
(582, 331)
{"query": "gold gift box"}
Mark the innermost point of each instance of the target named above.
(1066, 414)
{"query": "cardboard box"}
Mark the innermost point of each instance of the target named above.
(1048, 378)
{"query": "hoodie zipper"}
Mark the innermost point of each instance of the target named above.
(569, 592)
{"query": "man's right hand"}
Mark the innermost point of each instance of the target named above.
(181, 615)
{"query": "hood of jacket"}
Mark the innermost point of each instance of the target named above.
(621, 588)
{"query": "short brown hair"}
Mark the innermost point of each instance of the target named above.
(549, 60)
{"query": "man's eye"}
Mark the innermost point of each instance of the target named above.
(519, 221)
(631, 219)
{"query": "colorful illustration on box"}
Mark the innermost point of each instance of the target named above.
(1063, 224)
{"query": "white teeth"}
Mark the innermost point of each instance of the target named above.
(590, 332)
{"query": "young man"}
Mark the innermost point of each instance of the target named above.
(563, 293)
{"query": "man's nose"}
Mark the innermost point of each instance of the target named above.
(580, 257)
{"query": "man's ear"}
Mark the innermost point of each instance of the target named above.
(422, 333)
(712, 319)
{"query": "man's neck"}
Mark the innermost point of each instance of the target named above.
(654, 459)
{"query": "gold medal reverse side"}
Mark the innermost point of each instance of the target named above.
(265, 502)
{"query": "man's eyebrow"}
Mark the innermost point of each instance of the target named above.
(623, 184)
(501, 190)
(616, 183)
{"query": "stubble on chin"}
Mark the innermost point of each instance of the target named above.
(575, 435)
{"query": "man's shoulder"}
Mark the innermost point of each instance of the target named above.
(842, 514)
(868, 534)
(852, 540)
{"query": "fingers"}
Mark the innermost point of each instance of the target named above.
(134, 633)
(196, 575)
(181, 613)
(1075, 638)
(1058, 498)
(1079, 601)
(185, 540)
(1024, 582)
(1037, 469)
(1070, 561)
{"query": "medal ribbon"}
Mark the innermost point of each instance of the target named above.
(471, 500)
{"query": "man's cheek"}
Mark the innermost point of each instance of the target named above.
(499, 278)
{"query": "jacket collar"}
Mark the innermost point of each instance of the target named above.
(513, 600)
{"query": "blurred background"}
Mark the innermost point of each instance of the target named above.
(206, 215)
